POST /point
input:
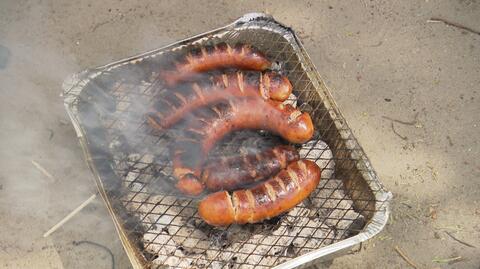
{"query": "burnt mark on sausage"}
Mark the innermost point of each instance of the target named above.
(174, 104)
(237, 115)
(218, 56)
(264, 201)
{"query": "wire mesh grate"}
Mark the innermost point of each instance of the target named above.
(163, 225)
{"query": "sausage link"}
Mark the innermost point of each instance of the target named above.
(234, 172)
(266, 200)
(219, 56)
(173, 105)
(201, 132)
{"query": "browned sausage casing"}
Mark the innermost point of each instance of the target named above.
(210, 124)
(222, 55)
(234, 172)
(266, 200)
(173, 105)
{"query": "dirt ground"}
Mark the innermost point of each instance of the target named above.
(409, 89)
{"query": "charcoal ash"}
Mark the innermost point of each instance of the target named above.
(171, 231)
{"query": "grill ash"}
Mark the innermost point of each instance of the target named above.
(163, 223)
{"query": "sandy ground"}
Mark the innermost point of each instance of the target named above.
(383, 61)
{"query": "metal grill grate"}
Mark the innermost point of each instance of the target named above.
(163, 227)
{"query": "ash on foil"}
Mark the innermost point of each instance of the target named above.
(176, 236)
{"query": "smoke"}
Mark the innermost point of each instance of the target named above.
(35, 57)
(112, 109)
(4, 57)
(34, 127)
(32, 123)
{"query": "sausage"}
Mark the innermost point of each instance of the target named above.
(173, 105)
(219, 56)
(234, 172)
(202, 131)
(266, 200)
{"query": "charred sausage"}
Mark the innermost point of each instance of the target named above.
(266, 200)
(172, 105)
(219, 56)
(234, 172)
(201, 132)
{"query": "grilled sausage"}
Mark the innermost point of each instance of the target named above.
(266, 200)
(215, 57)
(234, 172)
(210, 124)
(172, 105)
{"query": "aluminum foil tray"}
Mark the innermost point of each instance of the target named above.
(158, 227)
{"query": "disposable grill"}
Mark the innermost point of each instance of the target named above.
(160, 228)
